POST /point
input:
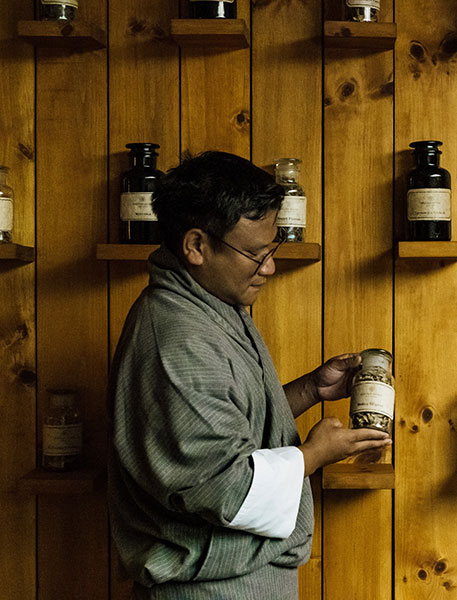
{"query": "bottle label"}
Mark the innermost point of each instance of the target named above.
(137, 206)
(6, 214)
(293, 212)
(376, 4)
(62, 440)
(373, 396)
(429, 204)
(73, 3)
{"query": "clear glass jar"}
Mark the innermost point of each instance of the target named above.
(362, 10)
(53, 10)
(6, 208)
(291, 219)
(62, 431)
(373, 393)
(213, 9)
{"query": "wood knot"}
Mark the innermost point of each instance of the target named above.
(327, 101)
(27, 377)
(26, 151)
(136, 27)
(452, 425)
(415, 429)
(345, 32)
(422, 574)
(440, 567)
(67, 29)
(448, 46)
(242, 120)
(417, 51)
(387, 89)
(346, 90)
(427, 415)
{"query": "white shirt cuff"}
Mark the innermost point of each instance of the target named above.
(271, 505)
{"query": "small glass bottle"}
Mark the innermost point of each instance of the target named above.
(362, 10)
(53, 10)
(291, 219)
(62, 431)
(213, 9)
(429, 195)
(6, 208)
(138, 220)
(373, 393)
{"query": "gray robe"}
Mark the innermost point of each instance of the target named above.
(193, 393)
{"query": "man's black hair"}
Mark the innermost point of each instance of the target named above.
(212, 192)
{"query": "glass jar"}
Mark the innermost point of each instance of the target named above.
(362, 10)
(213, 9)
(138, 221)
(291, 220)
(429, 195)
(6, 208)
(62, 431)
(53, 10)
(373, 393)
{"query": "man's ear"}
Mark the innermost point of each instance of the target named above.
(194, 244)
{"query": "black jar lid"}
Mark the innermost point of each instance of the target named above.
(426, 145)
(143, 147)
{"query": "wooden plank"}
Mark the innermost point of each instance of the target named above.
(82, 481)
(426, 324)
(221, 33)
(215, 102)
(305, 251)
(286, 85)
(144, 107)
(71, 296)
(358, 476)
(17, 252)
(358, 305)
(427, 250)
(56, 34)
(17, 314)
(351, 34)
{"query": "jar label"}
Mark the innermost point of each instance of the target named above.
(73, 3)
(62, 440)
(293, 212)
(6, 214)
(137, 206)
(376, 4)
(373, 396)
(429, 204)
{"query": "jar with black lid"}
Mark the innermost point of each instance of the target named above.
(53, 10)
(213, 9)
(429, 195)
(138, 220)
(361, 10)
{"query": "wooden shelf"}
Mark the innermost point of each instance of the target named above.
(309, 252)
(76, 35)
(351, 34)
(355, 476)
(437, 250)
(17, 252)
(222, 33)
(82, 481)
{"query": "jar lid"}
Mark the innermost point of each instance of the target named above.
(143, 147)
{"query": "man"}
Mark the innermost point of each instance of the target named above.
(209, 492)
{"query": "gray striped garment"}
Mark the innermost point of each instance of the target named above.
(193, 392)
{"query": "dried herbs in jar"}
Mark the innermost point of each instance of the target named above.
(373, 393)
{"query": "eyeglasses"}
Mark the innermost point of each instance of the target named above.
(260, 262)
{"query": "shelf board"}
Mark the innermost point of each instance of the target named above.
(355, 476)
(17, 252)
(439, 250)
(351, 34)
(222, 33)
(62, 34)
(40, 481)
(310, 252)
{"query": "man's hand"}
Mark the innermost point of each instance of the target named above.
(328, 442)
(333, 379)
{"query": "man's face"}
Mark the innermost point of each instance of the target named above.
(231, 276)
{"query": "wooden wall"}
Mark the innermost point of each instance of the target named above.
(350, 115)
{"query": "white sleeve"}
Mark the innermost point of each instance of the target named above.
(271, 505)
